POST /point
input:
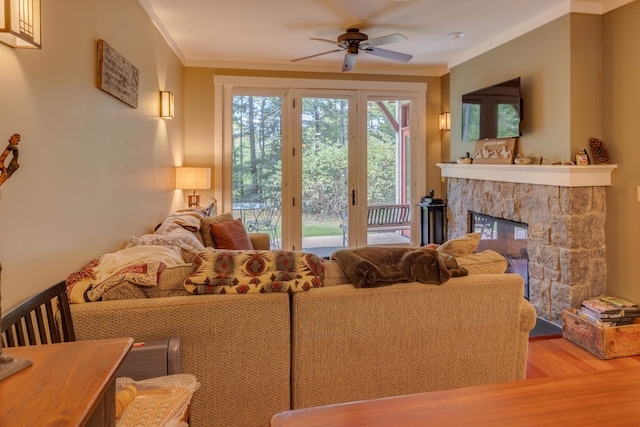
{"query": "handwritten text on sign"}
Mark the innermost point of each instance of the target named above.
(116, 75)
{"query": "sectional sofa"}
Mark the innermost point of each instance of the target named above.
(256, 355)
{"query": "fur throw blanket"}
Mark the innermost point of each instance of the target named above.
(373, 266)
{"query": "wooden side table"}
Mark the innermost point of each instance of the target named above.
(71, 384)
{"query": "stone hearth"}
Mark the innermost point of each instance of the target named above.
(566, 245)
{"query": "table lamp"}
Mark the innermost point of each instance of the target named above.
(188, 178)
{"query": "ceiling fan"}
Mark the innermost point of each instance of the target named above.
(354, 41)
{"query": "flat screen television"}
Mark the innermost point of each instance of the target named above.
(492, 112)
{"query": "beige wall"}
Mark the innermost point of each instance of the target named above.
(579, 80)
(93, 171)
(542, 59)
(620, 94)
(200, 113)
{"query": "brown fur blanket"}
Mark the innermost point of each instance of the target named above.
(373, 266)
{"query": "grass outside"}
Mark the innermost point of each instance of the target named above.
(312, 227)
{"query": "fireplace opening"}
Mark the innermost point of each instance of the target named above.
(508, 238)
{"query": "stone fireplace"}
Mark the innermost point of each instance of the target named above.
(565, 209)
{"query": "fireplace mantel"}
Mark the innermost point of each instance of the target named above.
(557, 175)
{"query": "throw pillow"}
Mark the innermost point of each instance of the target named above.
(461, 246)
(231, 235)
(485, 262)
(245, 272)
(205, 226)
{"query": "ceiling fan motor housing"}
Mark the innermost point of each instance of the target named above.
(353, 35)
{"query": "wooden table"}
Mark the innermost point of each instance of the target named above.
(601, 397)
(69, 384)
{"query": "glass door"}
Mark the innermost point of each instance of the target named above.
(388, 178)
(325, 141)
(315, 167)
(257, 164)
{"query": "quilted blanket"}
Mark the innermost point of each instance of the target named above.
(225, 271)
(140, 265)
(373, 266)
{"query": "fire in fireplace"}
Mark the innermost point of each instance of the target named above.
(508, 238)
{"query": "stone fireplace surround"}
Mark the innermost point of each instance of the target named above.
(565, 209)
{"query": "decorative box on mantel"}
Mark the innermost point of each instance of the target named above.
(558, 175)
(564, 208)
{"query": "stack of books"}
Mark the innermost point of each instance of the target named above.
(609, 311)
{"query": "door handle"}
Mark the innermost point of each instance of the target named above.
(353, 197)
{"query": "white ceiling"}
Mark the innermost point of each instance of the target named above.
(268, 34)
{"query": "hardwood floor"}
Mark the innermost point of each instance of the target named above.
(559, 357)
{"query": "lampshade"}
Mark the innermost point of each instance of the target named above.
(444, 121)
(166, 105)
(193, 178)
(20, 23)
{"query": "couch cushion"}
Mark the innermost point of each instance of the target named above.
(461, 246)
(334, 274)
(124, 290)
(231, 235)
(485, 262)
(170, 283)
(205, 226)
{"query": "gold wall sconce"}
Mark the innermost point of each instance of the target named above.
(166, 105)
(193, 179)
(444, 121)
(20, 23)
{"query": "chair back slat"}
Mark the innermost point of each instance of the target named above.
(33, 322)
(51, 320)
(30, 327)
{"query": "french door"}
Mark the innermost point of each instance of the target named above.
(324, 128)
(309, 166)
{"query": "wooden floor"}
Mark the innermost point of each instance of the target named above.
(559, 357)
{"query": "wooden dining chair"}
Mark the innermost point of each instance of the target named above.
(33, 322)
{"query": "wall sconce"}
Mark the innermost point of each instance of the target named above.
(444, 121)
(20, 23)
(193, 178)
(166, 105)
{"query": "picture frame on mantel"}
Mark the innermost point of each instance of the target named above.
(495, 151)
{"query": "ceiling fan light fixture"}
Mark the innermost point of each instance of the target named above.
(455, 35)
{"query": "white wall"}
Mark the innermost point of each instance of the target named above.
(93, 170)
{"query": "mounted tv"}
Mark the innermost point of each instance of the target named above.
(492, 112)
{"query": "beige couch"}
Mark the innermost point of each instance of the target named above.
(259, 354)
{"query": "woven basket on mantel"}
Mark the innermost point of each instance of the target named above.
(599, 151)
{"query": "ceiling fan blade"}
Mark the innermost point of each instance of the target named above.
(391, 38)
(388, 54)
(317, 54)
(349, 62)
(323, 40)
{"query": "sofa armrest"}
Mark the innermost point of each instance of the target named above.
(260, 241)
